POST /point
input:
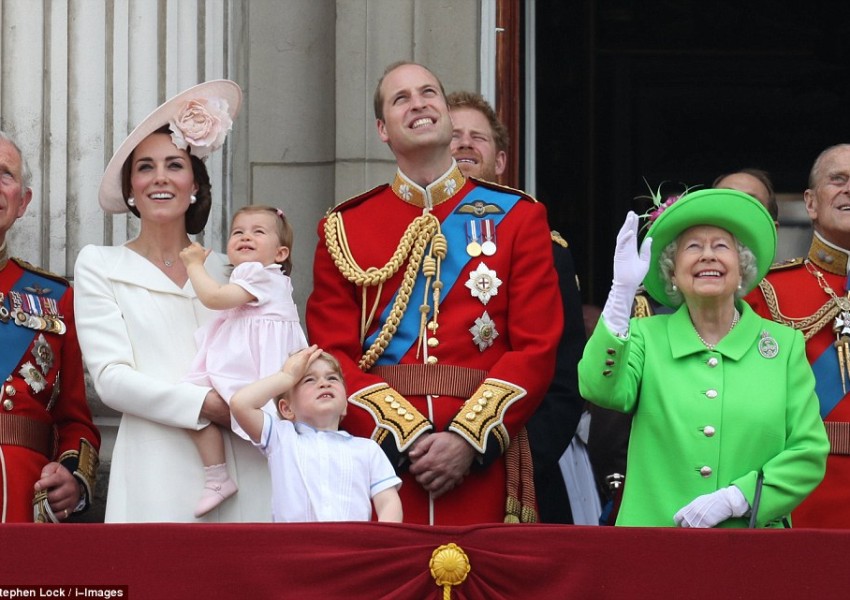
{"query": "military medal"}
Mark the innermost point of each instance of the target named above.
(841, 328)
(841, 324)
(483, 332)
(473, 246)
(488, 247)
(768, 347)
(43, 354)
(32, 376)
(35, 312)
(483, 283)
(4, 312)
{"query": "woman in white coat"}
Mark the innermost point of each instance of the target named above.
(137, 314)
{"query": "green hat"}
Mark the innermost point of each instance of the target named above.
(738, 213)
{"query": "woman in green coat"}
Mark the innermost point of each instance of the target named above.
(719, 395)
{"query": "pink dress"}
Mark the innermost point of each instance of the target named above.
(249, 342)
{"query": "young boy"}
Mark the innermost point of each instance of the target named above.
(319, 473)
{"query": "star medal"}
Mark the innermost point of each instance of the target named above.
(483, 283)
(43, 353)
(841, 328)
(33, 378)
(768, 347)
(488, 247)
(483, 332)
(473, 238)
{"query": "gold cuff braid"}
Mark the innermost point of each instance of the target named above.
(484, 412)
(392, 412)
(87, 463)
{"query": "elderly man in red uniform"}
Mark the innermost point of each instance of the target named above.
(48, 443)
(439, 296)
(811, 294)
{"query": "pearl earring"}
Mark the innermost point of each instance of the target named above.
(131, 201)
(192, 199)
(675, 289)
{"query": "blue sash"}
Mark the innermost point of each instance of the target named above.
(16, 338)
(454, 228)
(828, 380)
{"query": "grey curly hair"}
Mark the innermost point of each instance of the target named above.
(746, 260)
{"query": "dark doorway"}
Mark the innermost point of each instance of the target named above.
(678, 91)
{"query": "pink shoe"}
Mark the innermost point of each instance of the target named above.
(218, 487)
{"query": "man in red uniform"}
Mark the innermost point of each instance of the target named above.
(811, 294)
(479, 145)
(48, 443)
(439, 297)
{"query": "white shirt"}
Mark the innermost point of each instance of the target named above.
(322, 475)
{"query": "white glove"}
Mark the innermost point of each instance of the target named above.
(630, 267)
(710, 509)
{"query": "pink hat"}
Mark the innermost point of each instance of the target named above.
(199, 117)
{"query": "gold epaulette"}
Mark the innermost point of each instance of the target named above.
(642, 307)
(43, 272)
(503, 188)
(787, 264)
(484, 413)
(392, 412)
(355, 200)
(556, 237)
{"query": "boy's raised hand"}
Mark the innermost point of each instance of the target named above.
(298, 363)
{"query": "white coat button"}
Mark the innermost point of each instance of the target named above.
(711, 394)
(712, 362)
(708, 430)
(705, 471)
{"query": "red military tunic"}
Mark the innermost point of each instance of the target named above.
(796, 293)
(488, 340)
(40, 421)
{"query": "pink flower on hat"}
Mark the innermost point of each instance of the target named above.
(662, 207)
(203, 124)
(659, 205)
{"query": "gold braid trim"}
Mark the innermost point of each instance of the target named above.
(558, 239)
(808, 325)
(392, 412)
(521, 500)
(642, 308)
(411, 248)
(484, 412)
(87, 461)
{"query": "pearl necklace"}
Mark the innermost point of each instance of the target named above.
(712, 346)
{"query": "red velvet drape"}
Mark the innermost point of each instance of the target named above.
(371, 560)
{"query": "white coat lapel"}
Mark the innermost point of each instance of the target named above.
(129, 268)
